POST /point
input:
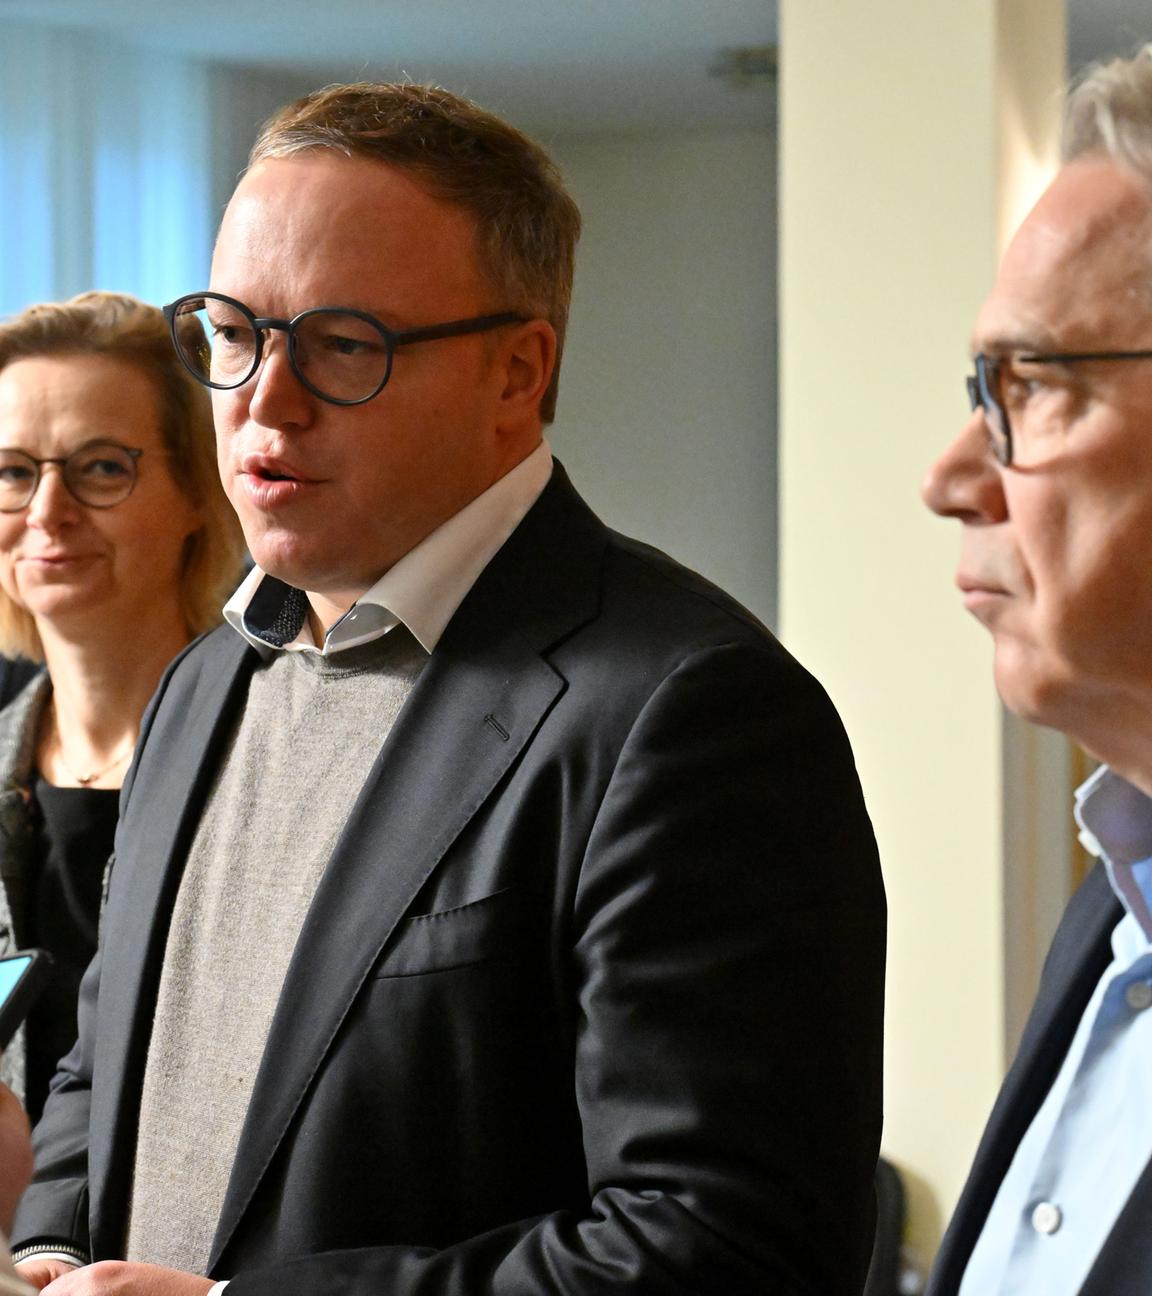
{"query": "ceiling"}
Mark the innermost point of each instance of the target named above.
(571, 66)
(559, 65)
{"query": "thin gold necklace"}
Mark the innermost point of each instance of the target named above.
(85, 779)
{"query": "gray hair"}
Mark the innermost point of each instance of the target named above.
(1109, 113)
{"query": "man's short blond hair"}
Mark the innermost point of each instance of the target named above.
(527, 225)
(123, 328)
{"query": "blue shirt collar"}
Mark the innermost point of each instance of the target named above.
(1115, 821)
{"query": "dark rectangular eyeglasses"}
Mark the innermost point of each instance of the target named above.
(986, 390)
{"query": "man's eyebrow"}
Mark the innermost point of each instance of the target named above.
(999, 344)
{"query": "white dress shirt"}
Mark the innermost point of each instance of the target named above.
(425, 587)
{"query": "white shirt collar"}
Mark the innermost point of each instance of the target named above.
(425, 587)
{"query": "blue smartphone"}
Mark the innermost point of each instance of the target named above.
(23, 976)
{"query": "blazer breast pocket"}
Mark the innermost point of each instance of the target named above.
(488, 928)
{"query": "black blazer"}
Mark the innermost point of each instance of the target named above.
(589, 995)
(15, 673)
(1081, 950)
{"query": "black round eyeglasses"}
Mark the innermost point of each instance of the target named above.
(341, 355)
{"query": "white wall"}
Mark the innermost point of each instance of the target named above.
(667, 412)
(242, 100)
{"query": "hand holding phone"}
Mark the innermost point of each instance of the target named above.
(23, 976)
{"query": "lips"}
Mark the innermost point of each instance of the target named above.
(983, 597)
(270, 482)
(51, 559)
(978, 585)
(270, 468)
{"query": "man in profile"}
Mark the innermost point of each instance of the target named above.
(495, 907)
(1051, 481)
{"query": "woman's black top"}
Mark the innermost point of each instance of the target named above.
(76, 829)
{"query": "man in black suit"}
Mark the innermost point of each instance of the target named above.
(1051, 480)
(495, 908)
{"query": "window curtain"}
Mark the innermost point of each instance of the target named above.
(105, 167)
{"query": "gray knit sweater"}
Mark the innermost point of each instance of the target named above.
(308, 736)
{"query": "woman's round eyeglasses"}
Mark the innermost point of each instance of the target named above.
(98, 475)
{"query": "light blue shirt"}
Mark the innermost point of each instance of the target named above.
(1092, 1137)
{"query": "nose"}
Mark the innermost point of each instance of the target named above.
(965, 482)
(276, 396)
(52, 506)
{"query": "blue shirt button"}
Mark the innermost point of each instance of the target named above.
(1047, 1218)
(1138, 996)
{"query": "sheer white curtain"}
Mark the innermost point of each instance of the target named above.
(105, 167)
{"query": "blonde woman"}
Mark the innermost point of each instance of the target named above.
(117, 547)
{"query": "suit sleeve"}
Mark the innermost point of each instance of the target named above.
(727, 953)
(55, 1206)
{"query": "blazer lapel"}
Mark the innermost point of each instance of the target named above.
(1076, 961)
(1122, 1268)
(478, 702)
(19, 729)
(160, 807)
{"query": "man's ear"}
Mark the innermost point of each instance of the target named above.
(529, 356)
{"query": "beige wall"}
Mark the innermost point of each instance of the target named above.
(901, 164)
